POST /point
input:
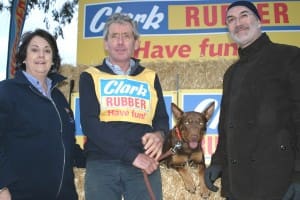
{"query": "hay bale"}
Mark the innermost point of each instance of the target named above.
(71, 73)
(173, 186)
(174, 189)
(79, 182)
(194, 74)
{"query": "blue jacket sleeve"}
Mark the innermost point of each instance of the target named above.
(7, 175)
(161, 118)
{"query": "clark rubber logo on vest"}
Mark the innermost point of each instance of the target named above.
(124, 98)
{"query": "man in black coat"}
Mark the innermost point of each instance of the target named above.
(257, 156)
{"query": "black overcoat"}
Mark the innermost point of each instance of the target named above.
(259, 127)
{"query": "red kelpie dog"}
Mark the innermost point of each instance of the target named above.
(185, 141)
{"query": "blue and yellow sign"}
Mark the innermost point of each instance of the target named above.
(180, 30)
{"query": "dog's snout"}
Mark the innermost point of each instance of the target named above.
(195, 137)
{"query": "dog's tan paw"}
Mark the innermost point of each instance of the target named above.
(190, 187)
(204, 193)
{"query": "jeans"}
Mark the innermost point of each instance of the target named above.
(114, 180)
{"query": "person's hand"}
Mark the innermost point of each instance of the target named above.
(210, 176)
(293, 192)
(145, 163)
(153, 144)
(5, 195)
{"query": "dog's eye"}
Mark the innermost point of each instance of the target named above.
(186, 122)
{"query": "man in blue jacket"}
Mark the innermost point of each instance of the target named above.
(124, 117)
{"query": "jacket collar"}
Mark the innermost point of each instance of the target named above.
(137, 67)
(255, 47)
(21, 79)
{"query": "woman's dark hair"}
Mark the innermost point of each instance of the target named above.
(24, 42)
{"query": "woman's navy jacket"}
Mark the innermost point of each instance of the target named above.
(37, 141)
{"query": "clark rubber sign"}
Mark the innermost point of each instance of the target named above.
(180, 30)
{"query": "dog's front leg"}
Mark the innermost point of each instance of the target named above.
(187, 179)
(179, 162)
(204, 192)
(198, 161)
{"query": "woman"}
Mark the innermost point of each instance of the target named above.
(37, 141)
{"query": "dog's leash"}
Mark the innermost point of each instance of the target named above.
(146, 178)
(170, 152)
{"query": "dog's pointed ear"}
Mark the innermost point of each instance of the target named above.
(177, 112)
(209, 110)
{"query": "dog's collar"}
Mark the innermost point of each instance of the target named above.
(178, 134)
(179, 142)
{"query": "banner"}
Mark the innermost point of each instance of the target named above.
(18, 13)
(180, 30)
